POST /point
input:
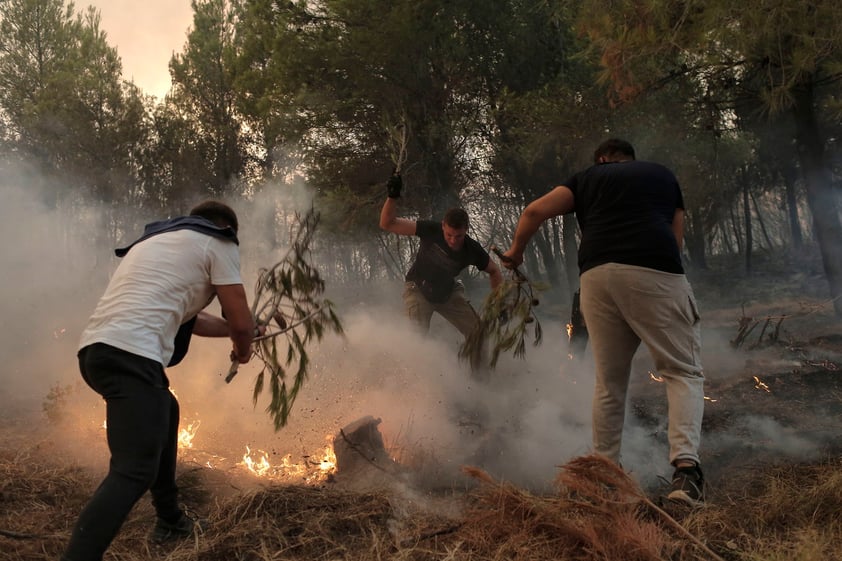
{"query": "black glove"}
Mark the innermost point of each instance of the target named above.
(394, 185)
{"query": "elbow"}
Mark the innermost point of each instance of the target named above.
(533, 215)
(387, 225)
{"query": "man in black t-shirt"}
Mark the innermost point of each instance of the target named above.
(445, 250)
(633, 290)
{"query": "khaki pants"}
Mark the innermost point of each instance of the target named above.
(457, 310)
(624, 305)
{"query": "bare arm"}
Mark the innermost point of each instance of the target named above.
(209, 325)
(232, 298)
(390, 222)
(556, 202)
(678, 227)
(495, 277)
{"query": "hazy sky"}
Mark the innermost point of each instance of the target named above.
(145, 34)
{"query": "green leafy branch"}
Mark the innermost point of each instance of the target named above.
(506, 317)
(289, 304)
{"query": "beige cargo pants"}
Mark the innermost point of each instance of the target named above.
(624, 305)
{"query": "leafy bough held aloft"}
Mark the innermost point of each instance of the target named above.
(289, 304)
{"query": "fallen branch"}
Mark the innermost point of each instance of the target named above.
(19, 536)
(587, 474)
(426, 536)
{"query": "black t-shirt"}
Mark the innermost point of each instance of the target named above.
(625, 211)
(436, 265)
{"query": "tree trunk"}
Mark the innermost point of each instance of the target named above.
(788, 175)
(747, 221)
(769, 244)
(571, 251)
(543, 245)
(820, 195)
(735, 229)
(695, 239)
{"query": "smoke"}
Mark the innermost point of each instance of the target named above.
(58, 258)
(532, 416)
(48, 275)
(771, 436)
(434, 416)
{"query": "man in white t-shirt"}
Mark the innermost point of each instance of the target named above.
(154, 299)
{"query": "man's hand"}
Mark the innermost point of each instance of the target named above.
(240, 359)
(510, 259)
(232, 299)
(394, 186)
(259, 331)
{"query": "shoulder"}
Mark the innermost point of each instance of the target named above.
(478, 253)
(427, 228)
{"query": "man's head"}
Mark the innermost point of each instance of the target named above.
(219, 213)
(455, 227)
(613, 150)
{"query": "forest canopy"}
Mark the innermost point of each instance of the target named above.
(485, 105)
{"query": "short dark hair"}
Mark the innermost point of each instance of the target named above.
(612, 148)
(217, 212)
(456, 218)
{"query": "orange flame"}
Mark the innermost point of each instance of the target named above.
(259, 464)
(187, 434)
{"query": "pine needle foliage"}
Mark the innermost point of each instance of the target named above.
(288, 301)
(505, 320)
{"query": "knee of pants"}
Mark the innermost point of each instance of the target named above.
(138, 457)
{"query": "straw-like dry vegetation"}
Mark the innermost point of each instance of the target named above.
(761, 505)
(787, 512)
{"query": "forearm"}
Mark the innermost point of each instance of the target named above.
(241, 326)
(209, 325)
(557, 202)
(527, 225)
(242, 338)
(495, 276)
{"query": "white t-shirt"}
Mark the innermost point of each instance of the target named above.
(161, 283)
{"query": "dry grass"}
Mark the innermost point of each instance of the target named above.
(786, 512)
(598, 513)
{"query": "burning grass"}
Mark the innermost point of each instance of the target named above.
(597, 513)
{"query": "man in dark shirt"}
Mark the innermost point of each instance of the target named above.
(633, 289)
(445, 250)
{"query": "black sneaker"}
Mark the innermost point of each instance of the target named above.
(688, 485)
(184, 527)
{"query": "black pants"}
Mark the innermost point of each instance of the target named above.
(142, 432)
